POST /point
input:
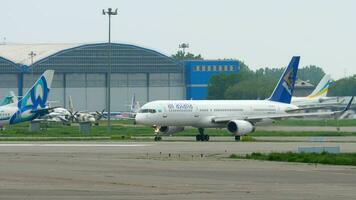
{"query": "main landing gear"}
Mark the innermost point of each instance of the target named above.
(201, 136)
(158, 138)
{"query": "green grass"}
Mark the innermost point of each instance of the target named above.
(301, 134)
(126, 129)
(327, 122)
(323, 158)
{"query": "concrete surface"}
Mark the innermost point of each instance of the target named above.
(129, 170)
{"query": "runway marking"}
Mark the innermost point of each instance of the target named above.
(73, 145)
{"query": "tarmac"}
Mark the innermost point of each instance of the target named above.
(166, 170)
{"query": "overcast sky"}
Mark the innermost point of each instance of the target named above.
(261, 33)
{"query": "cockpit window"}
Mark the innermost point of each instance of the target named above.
(147, 111)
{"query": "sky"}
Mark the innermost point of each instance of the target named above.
(260, 33)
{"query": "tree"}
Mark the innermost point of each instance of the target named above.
(343, 87)
(259, 84)
(311, 73)
(181, 55)
(218, 84)
(255, 88)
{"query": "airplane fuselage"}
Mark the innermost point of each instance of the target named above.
(200, 113)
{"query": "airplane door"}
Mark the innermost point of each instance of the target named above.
(164, 114)
(196, 111)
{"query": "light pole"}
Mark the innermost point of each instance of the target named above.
(184, 46)
(32, 55)
(109, 12)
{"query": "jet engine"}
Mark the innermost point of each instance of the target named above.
(170, 130)
(240, 127)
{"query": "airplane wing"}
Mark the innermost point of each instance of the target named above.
(280, 116)
(43, 111)
(55, 119)
(322, 106)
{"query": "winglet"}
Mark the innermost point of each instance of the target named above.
(348, 105)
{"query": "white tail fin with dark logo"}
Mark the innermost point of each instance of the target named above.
(70, 106)
(322, 88)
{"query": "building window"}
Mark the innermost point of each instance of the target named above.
(203, 68)
(226, 68)
(220, 68)
(231, 68)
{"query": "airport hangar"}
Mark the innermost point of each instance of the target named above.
(81, 72)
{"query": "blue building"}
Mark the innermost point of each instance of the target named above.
(199, 72)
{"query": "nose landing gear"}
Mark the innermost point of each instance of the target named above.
(156, 129)
(201, 136)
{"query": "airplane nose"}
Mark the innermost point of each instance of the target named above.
(138, 119)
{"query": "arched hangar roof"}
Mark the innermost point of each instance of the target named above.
(78, 58)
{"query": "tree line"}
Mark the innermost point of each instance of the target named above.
(259, 84)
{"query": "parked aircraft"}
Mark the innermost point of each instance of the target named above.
(68, 116)
(134, 108)
(237, 116)
(318, 96)
(32, 105)
(57, 114)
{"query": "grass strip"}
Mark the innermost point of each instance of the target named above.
(124, 128)
(320, 158)
(308, 122)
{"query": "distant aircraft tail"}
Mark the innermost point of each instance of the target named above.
(35, 98)
(135, 105)
(322, 88)
(11, 99)
(70, 102)
(284, 90)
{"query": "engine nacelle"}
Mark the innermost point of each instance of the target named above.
(240, 127)
(170, 130)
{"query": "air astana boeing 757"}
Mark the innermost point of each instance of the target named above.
(239, 117)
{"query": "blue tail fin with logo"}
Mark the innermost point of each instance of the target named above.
(37, 96)
(35, 99)
(284, 89)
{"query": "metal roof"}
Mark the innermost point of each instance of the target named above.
(19, 53)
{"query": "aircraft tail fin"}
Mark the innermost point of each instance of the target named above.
(70, 102)
(13, 97)
(322, 88)
(35, 99)
(135, 105)
(284, 90)
(37, 96)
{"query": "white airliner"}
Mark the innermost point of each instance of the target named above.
(318, 96)
(32, 105)
(238, 116)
